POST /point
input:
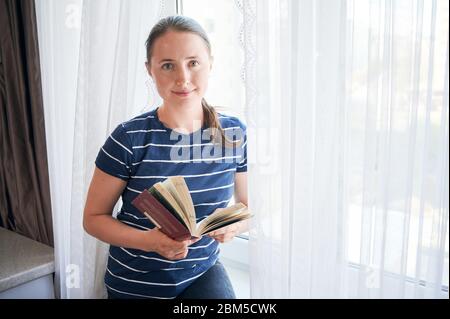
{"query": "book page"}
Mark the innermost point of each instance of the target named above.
(172, 202)
(226, 216)
(177, 185)
(205, 229)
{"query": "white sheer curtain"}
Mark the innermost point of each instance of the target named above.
(347, 112)
(92, 56)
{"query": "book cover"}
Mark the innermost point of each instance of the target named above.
(161, 217)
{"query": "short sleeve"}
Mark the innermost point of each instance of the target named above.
(115, 157)
(242, 164)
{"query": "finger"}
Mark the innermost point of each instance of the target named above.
(211, 234)
(227, 238)
(224, 231)
(182, 255)
(182, 245)
(219, 238)
(218, 232)
(215, 236)
(178, 255)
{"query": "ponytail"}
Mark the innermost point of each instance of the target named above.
(211, 119)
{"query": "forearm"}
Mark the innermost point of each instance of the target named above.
(110, 230)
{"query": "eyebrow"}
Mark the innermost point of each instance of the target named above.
(170, 60)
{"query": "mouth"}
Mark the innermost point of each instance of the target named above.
(182, 93)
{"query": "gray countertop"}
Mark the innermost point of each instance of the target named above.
(22, 259)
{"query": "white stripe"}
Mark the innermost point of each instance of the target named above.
(204, 246)
(140, 119)
(132, 269)
(137, 295)
(197, 160)
(243, 160)
(162, 260)
(114, 158)
(210, 189)
(121, 144)
(210, 204)
(242, 166)
(170, 145)
(135, 217)
(169, 269)
(230, 128)
(188, 176)
(145, 131)
(154, 283)
(133, 190)
(130, 223)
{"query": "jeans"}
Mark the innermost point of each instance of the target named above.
(213, 284)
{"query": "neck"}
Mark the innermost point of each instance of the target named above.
(182, 118)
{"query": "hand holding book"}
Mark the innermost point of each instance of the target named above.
(169, 207)
(227, 233)
(166, 246)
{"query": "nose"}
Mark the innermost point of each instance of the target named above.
(183, 77)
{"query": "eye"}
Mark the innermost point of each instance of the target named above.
(167, 66)
(194, 63)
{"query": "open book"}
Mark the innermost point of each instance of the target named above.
(169, 207)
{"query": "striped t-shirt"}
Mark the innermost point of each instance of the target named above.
(143, 151)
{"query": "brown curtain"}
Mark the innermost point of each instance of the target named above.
(24, 184)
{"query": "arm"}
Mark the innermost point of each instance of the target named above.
(241, 195)
(227, 233)
(104, 191)
(240, 188)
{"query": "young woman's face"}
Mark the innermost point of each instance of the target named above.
(180, 66)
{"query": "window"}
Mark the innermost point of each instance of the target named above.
(222, 21)
(404, 205)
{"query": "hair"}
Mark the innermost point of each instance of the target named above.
(186, 24)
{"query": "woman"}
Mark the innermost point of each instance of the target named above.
(143, 262)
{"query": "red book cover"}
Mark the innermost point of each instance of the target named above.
(160, 216)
